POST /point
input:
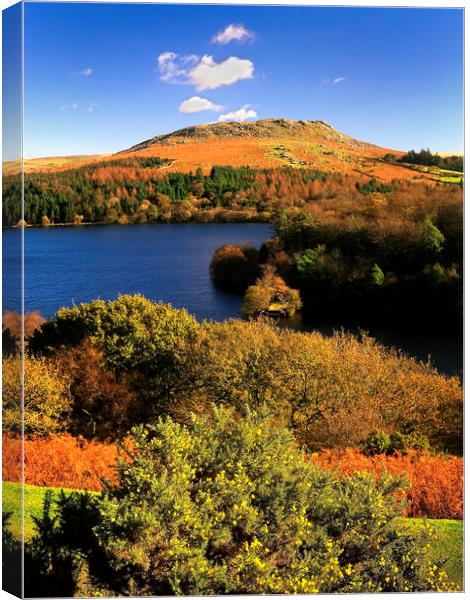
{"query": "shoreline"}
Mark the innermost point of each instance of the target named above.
(102, 223)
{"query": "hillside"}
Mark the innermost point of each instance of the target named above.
(267, 143)
(270, 143)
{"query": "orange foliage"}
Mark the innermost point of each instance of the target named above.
(435, 487)
(60, 461)
(11, 320)
(436, 482)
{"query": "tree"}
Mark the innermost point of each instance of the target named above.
(134, 334)
(47, 402)
(377, 275)
(271, 291)
(306, 263)
(234, 268)
(433, 239)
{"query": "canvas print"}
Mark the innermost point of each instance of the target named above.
(232, 299)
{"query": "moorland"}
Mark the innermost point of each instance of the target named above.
(204, 457)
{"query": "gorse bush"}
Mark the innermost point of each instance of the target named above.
(229, 505)
(434, 484)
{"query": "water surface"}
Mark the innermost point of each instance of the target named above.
(66, 265)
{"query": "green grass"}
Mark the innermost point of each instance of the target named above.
(454, 173)
(33, 502)
(447, 545)
(450, 179)
(447, 540)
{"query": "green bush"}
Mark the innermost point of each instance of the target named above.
(307, 262)
(230, 505)
(377, 442)
(433, 238)
(377, 275)
(401, 442)
(150, 339)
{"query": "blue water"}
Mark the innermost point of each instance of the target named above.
(66, 265)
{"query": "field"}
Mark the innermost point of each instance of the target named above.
(51, 163)
(33, 502)
(447, 545)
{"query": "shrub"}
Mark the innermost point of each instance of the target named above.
(377, 275)
(231, 506)
(47, 402)
(306, 262)
(377, 442)
(433, 239)
(404, 443)
(134, 335)
(331, 390)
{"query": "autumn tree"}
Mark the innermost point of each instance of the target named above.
(47, 402)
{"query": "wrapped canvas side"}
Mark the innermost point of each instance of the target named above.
(12, 293)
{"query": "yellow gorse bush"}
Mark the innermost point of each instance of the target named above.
(215, 507)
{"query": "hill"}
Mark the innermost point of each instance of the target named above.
(271, 143)
(267, 143)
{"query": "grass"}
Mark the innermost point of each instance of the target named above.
(33, 502)
(447, 545)
(450, 179)
(447, 541)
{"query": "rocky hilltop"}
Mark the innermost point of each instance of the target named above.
(262, 129)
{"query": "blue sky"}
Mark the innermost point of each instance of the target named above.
(94, 82)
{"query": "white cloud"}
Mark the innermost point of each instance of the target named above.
(75, 106)
(84, 72)
(204, 73)
(209, 75)
(334, 81)
(174, 68)
(198, 104)
(233, 33)
(242, 114)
